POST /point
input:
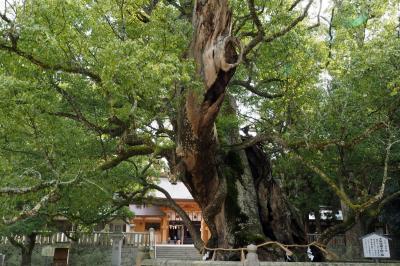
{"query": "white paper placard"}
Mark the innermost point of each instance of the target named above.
(375, 246)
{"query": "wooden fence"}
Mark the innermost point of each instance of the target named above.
(88, 239)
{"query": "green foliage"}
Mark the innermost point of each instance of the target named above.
(87, 75)
(337, 82)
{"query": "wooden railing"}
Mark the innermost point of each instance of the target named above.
(137, 239)
(157, 236)
(88, 239)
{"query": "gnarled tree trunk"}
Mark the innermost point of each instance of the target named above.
(26, 248)
(240, 200)
(26, 252)
(26, 257)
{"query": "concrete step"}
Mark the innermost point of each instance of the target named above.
(184, 252)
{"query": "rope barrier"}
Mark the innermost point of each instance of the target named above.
(284, 247)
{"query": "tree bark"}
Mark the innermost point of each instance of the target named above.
(353, 242)
(318, 221)
(26, 248)
(26, 252)
(26, 257)
(334, 230)
(240, 201)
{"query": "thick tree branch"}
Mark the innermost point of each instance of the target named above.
(106, 215)
(54, 67)
(5, 18)
(239, 23)
(20, 151)
(262, 37)
(151, 6)
(126, 154)
(15, 242)
(361, 206)
(295, 3)
(25, 190)
(254, 16)
(365, 134)
(320, 145)
(285, 30)
(337, 142)
(334, 230)
(260, 30)
(26, 242)
(198, 242)
(330, 182)
(257, 139)
(388, 199)
(257, 88)
(79, 117)
(385, 179)
(170, 203)
(47, 154)
(36, 188)
(185, 7)
(318, 17)
(339, 192)
(330, 34)
(50, 197)
(66, 95)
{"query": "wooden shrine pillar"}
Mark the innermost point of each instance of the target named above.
(164, 230)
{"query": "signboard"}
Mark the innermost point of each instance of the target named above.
(375, 246)
(48, 251)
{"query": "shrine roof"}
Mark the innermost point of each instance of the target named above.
(152, 210)
(177, 191)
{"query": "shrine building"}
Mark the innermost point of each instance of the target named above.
(168, 225)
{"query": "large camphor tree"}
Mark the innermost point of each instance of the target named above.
(140, 86)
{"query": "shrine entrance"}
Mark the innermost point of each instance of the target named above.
(179, 234)
(61, 257)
